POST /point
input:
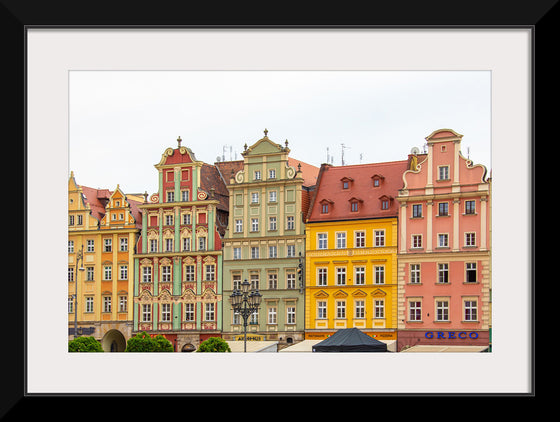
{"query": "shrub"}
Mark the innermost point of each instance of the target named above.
(84, 344)
(214, 344)
(142, 342)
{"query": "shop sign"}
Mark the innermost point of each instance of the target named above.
(252, 337)
(473, 335)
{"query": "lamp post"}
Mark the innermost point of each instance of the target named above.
(245, 303)
(79, 257)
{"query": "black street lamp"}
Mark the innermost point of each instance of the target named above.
(245, 303)
(79, 257)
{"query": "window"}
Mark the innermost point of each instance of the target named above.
(470, 276)
(165, 273)
(384, 204)
(254, 224)
(254, 198)
(324, 208)
(272, 223)
(415, 273)
(290, 223)
(89, 273)
(236, 282)
(146, 274)
(201, 243)
(379, 308)
(442, 310)
(470, 307)
(470, 239)
(359, 309)
(70, 273)
(255, 252)
(272, 174)
(341, 276)
(107, 272)
(272, 281)
(170, 196)
(322, 241)
(359, 275)
(341, 240)
(470, 207)
(290, 280)
(146, 313)
(123, 303)
(238, 226)
(189, 311)
(257, 175)
(165, 312)
(417, 241)
(444, 173)
(169, 245)
(443, 209)
(379, 238)
(254, 281)
(189, 273)
(169, 219)
(70, 246)
(354, 206)
(321, 276)
(186, 219)
(123, 244)
(90, 245)
(359, 239)
(345, 184)
(209, 313)
(185, 196)
(272, 315)
(321, 309)
(89, 304)
(415, 311)
(376, 182)
(70, 305)
(123, 273)
(272, 196)
(153, 245)
(379, 274)
(291, 251)
(80, 219)
(70, 220)
(236, 253)
(272, 251)
(186, 244)
(210, 273)
(443, 273)
(416, 210)
(340, 309)
(443, 240)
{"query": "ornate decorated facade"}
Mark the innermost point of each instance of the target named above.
(103, 227)
(178, 264)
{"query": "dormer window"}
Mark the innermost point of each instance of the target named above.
(346, 181)
(354, 204)
(377, 180)
(386, 202)
(325, 206)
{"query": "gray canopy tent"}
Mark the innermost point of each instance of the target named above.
(350, 340)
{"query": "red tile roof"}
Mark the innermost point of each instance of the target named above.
(360, 189)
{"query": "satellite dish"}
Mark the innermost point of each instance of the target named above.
(218, 158)
(415, 150)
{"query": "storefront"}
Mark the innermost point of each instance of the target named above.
(410, 338)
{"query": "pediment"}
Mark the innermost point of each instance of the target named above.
(340, 294)
(321, 294)
(378, 293)
(359, 293)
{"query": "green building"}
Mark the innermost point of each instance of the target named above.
(268, 199)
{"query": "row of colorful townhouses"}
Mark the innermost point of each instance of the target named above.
(400, 250)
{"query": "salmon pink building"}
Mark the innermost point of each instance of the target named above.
(444, 259)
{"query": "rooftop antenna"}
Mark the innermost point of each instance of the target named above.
(343, 148)
(327, 155)
(468, 153)
(361, 155)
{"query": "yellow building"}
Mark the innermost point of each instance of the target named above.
(103, 228)
(351, 251)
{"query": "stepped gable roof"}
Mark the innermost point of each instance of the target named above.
(340, 186)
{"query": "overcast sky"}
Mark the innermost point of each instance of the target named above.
(121, 122)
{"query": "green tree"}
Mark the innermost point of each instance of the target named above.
(84, 344)
(214, 344)
(142, 342)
